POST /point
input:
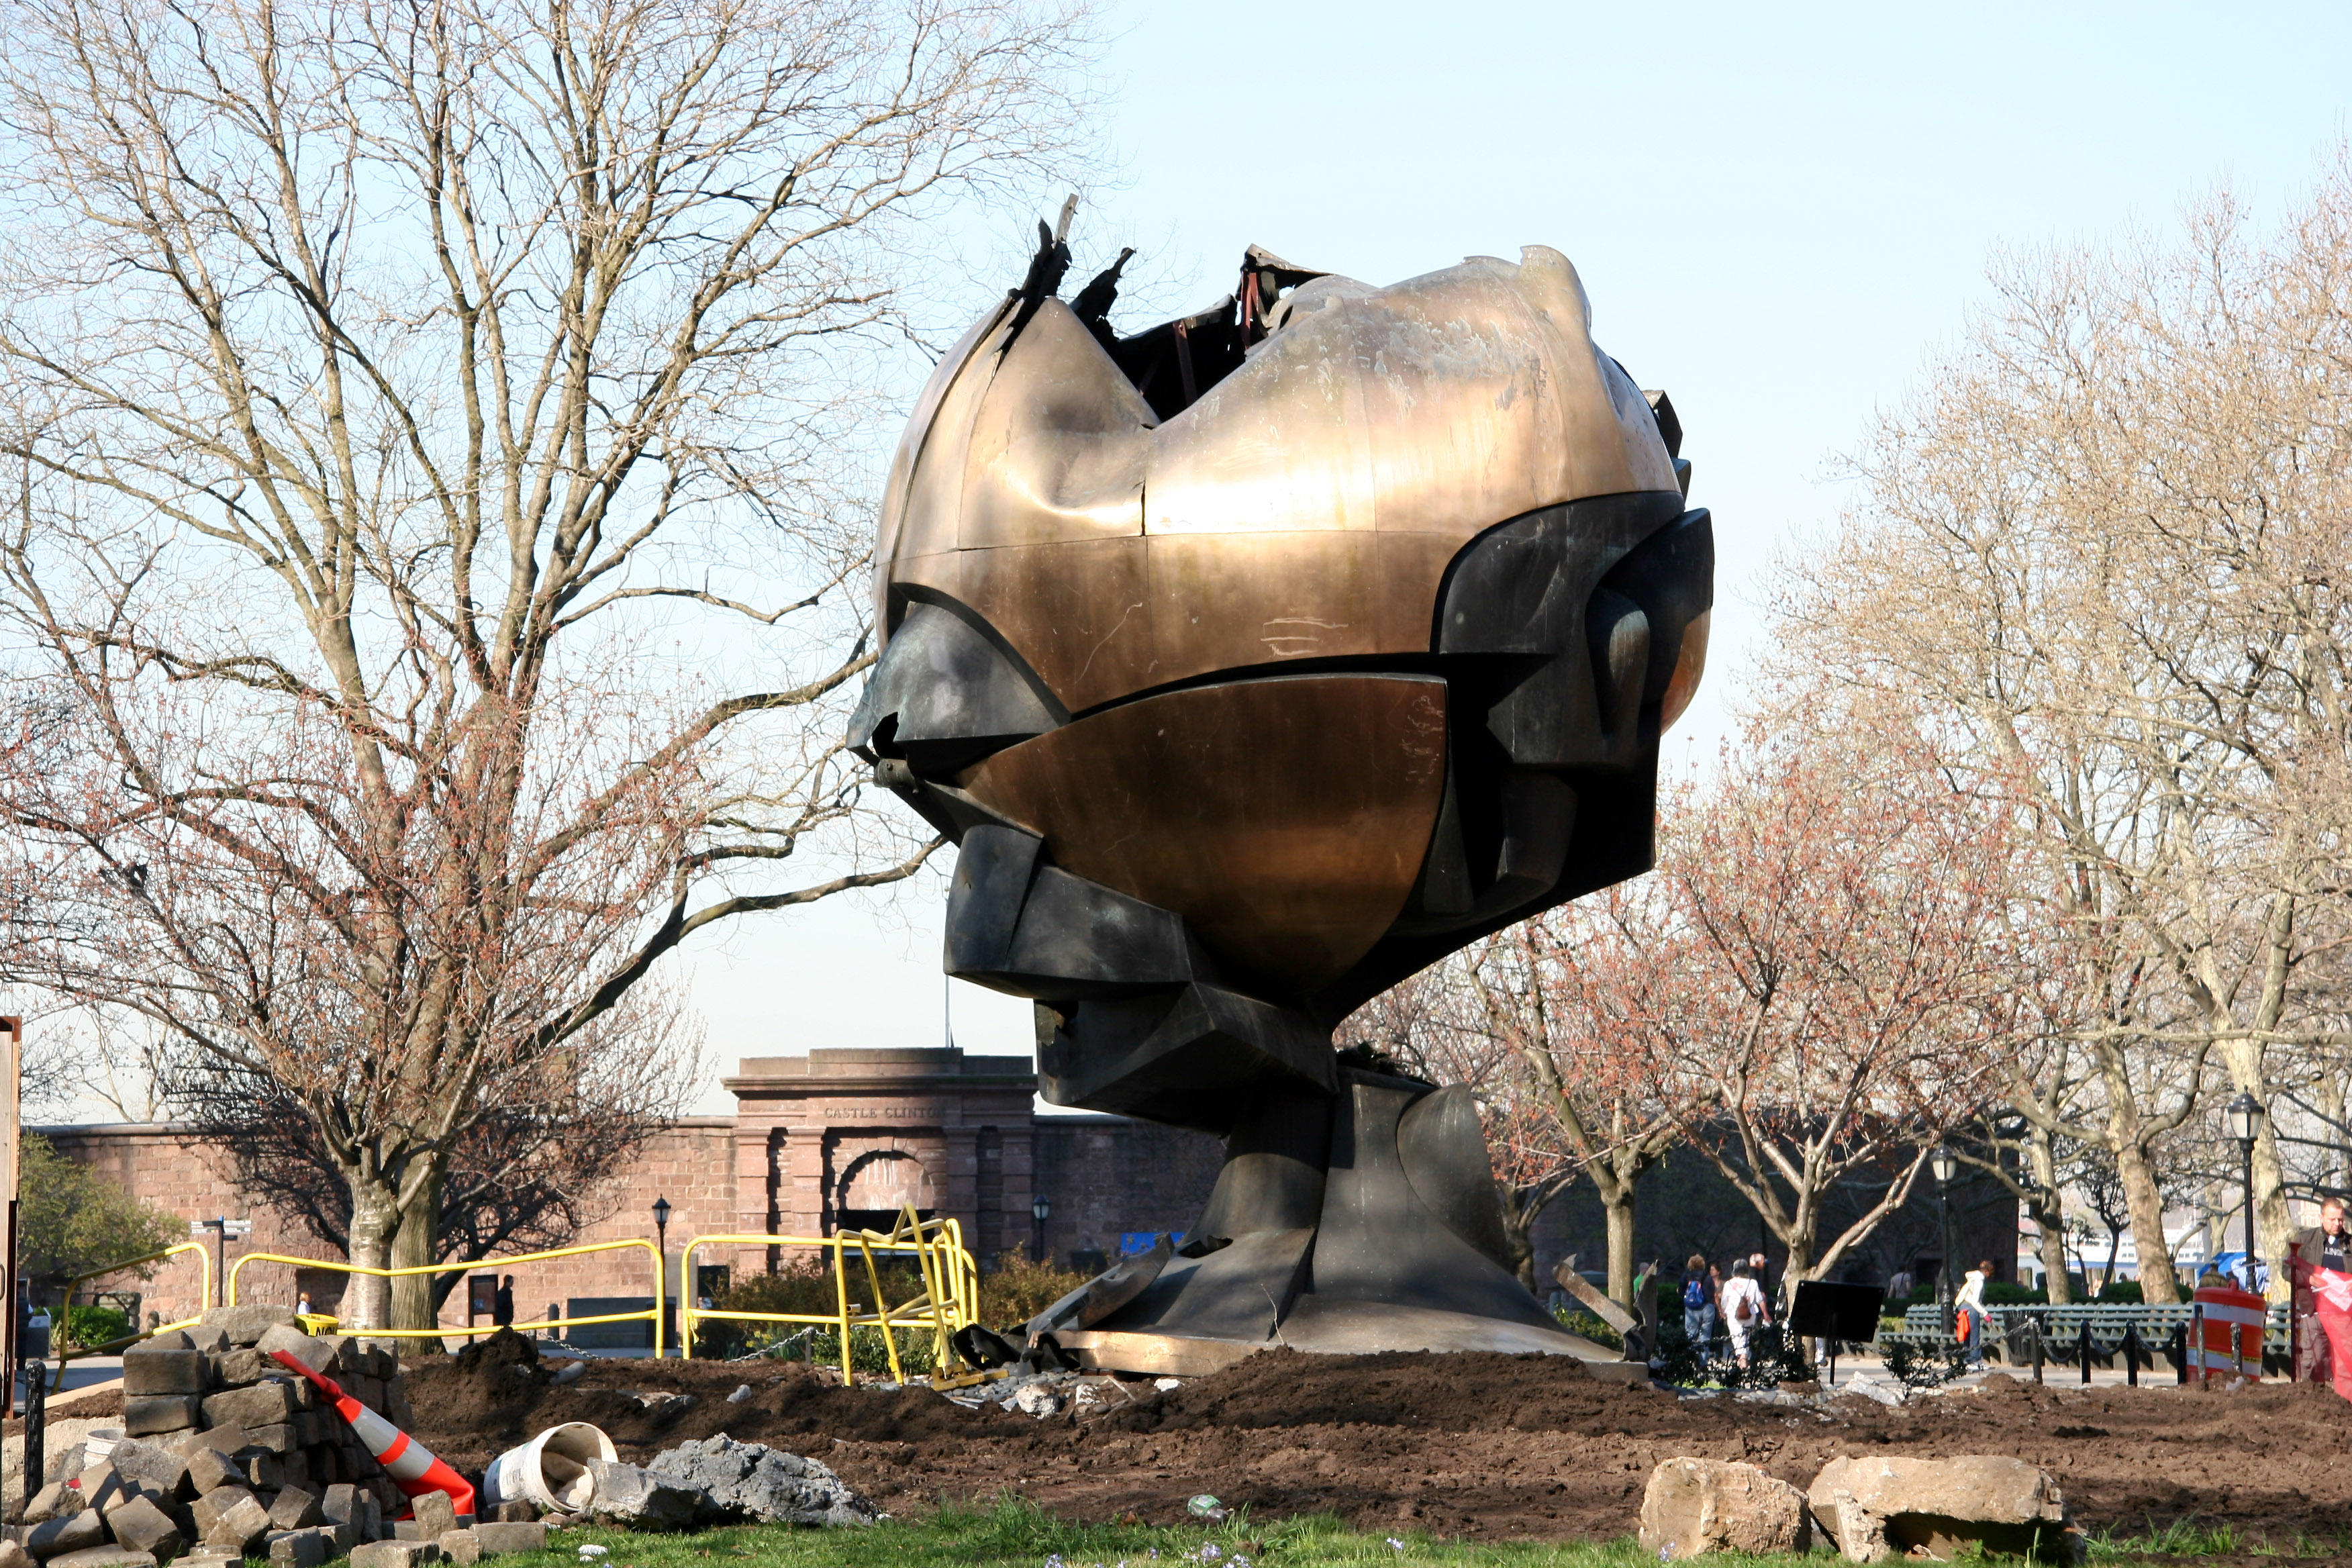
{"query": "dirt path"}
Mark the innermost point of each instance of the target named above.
(1481, 1446)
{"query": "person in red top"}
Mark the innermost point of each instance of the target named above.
(2323, 1281)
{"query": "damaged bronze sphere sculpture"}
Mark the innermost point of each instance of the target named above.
(1254, 662)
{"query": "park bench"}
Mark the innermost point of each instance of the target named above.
(2061, 1332)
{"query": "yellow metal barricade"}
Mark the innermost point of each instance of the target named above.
(459, 1332)
(204, 1299)
(948, 1300)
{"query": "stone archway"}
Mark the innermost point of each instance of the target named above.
(875, 1185)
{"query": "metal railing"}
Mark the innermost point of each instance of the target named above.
(949, 1299)
(204, 1299)
(2062, 1326)
(653, 1314)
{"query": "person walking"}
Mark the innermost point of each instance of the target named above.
(1743, 1308)
(2323, 1288)
(1761, 1271)
(1970, 1308)
(1699, 1303)
(503, 1304)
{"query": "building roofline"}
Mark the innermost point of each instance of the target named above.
(184, 1130)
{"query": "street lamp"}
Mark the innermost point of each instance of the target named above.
(2245, 1115)
(1041, 1209)
(661, 1247)
(1945, 1164)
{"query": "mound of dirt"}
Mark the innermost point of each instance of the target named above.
(1484, 1445)
(472, 1407)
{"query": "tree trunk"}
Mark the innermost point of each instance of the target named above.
(367, 1300)
(1617, 1211)
(2056, 1286)
(2272, 1224)
(416, 1244)
(2157, 1285)
(2049, 1211)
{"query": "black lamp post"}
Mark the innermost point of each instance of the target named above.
(661, 1245)
(1041, 1209)
(2245, 1115)
(1945, 1165)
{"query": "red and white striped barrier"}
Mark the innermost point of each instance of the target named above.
(412, 1466)
(2229, 1341)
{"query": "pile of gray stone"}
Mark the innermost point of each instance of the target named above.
(718, 1480)
(227, 1453)
(1868, 1510)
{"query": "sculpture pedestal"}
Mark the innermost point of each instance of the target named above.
(1362, 1222)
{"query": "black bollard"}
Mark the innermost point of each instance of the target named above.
(2131, 1354)
(2180, 1352)
(2083, 1349)
(36, 1420)
(2036, 1324)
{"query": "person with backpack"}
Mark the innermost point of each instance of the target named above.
(1698, 1303)
(1743, 1308)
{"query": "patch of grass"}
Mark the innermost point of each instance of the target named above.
(2182, 1538)
(1016, 1534)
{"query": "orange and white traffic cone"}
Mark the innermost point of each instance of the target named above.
(412, 1466)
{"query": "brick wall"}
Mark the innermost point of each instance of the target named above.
(1107, 1175)
(691, 1164)
(777, 1162)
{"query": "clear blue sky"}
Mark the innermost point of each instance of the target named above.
(1779, 215)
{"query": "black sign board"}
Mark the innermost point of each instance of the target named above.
(1828, 1312)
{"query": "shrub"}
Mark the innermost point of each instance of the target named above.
(72, 1220)
(806, 1288)
(1018, 1290)
(2120, 1292)
(1927, 1366)
(96, 1325)
(1577, 1321)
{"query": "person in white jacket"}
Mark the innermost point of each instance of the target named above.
(1972, 1301)
(1743, 1308)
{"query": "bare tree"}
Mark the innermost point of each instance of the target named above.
(1816, 987)
(2102, 549)
(1550, 1007)
(438, 510)
(532, 1173)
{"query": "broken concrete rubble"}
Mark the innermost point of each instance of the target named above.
(245, 1325)
(105, 1557)
(300, 1547)
(395, 1554)
(1882, 1508)
(1695, 1506)
(142, 1526)
(626, 1495)
(72, 1532)
(223, 1454)
(752, 1483)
